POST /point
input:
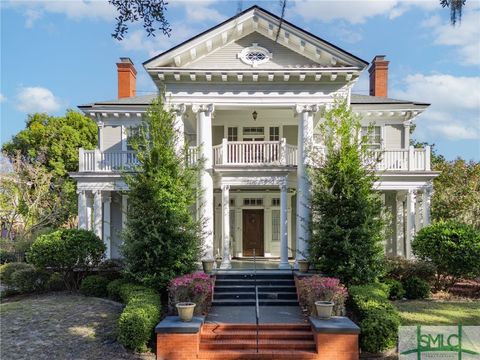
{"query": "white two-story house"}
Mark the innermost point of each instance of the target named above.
(253, 102)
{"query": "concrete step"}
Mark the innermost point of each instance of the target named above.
(258, 282)
(251, 302)
(250, 276)
(251, 295)
(249, 288)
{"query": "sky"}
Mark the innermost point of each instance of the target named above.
(56, 55)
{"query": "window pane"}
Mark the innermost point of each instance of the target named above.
(275, 225)
(274, 133)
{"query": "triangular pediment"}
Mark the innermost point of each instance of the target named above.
(220, 46)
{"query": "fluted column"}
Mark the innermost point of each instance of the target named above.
(306, 114)
(205, 206)
(106, 224)
(97, 213)
(283, 228)
(427, 203)
(179, 127)
(400, 221)
(82, 209)
(411, 207)
(226, 227)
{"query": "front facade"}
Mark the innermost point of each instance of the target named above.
(250, 106)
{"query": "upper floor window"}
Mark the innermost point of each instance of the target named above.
(255, 55)
(274, 133)
(253, 131)
(373, 135)
(232, 134)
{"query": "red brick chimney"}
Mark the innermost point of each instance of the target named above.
(379, 76)
(127, 78)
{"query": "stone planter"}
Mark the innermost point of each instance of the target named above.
(303, 266)
(185, 310)
(207, 266)
(324, 309)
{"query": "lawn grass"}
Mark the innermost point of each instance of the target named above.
(428, 312)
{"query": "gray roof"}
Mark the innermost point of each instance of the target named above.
(356, 99)
(134, 100)
(359, 99)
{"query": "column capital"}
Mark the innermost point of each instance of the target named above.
(179, 109)
(283, 185)
(81, 192)
(310, 108)
(206, 108)
(225, 187)
(100, 124)
(407, 123)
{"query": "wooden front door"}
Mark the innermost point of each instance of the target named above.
(253, 232)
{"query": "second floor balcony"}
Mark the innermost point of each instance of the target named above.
(253, 153)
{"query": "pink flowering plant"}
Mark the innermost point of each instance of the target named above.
(195, 287)
(318, 288)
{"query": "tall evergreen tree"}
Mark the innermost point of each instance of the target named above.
(162, 238)
(348, 225)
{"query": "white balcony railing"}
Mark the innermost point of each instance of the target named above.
(254, 153)
(245, 153)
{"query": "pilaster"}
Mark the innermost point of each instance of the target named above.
(107, 200)
(226, 227)
(97, 213)
(82, 209)
(283, 227)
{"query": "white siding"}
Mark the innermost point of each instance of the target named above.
(112, 138)
(393, 136)
(226, 57)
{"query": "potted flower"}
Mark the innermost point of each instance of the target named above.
(207, 265)
(185, 310)
(324, 309)
(303, 265)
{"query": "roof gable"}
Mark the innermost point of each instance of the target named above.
(319, 52)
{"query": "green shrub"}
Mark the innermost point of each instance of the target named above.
(453, 248)
(376, 316)
(66, 250)
(7, 256)
(416, 288)
(29, 280)
(113, 289)
(140, 316)
(7, 271)
(55, 282)
(396, 290)
(94, 285)
(400, 268)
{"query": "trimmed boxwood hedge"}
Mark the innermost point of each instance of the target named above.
(94, 285)
(376, 316)
(140, 316)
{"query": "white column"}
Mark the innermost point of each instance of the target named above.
(305, 140)
(400, 221)
(82, 209)
(427, 203)
(406, 134)
(411, 206)
(179, 127)
(89, 211)
(100, 135)
(283, 228)
(97, 213)
(204, 140)
(226, 227)
(238, 231)
(124, 211)
(106, 224)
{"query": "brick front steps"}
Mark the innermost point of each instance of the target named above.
(229, 331)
